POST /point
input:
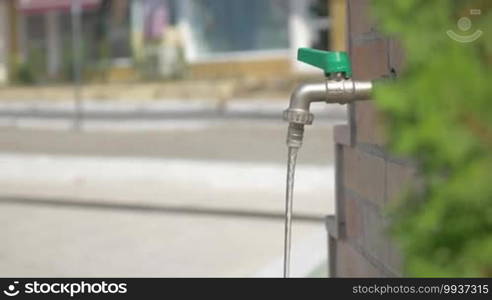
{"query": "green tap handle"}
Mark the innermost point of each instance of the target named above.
(329, 61)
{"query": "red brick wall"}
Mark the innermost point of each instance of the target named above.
(368, 178)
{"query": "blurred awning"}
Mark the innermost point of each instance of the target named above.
(38, 6)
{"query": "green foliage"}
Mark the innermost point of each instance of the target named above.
(31, 70)
(23, 74)
(440, 112)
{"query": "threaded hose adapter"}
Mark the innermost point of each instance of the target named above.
(295, 135)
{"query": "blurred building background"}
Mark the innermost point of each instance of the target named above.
(128, 40)
(171, 160)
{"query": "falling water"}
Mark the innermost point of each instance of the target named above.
(291, 167)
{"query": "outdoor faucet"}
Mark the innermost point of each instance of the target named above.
(337, 88)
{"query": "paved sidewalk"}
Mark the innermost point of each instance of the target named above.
(186, 201)
(89, 216)
(133, 113)
(240, 140)
(67, 242)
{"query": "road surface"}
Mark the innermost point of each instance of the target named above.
(194, 199)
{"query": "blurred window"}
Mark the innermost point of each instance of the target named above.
(35, 43)
(318, 18)
(220, 26)
(89, 22)
(119, 29)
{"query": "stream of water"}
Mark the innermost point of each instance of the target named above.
(291, 167)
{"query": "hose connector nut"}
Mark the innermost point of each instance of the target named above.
(298, 116)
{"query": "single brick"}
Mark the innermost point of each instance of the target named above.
(350, 263)
(364, 174)
(359, 18)
(369, 128)
(354, 224)
(370, 59)
(399, 179)
(375, 241)
(395, 258)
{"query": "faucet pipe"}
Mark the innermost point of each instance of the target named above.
(331, 91)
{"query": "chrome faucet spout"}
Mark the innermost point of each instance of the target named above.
(304, 94)
(331, 91)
